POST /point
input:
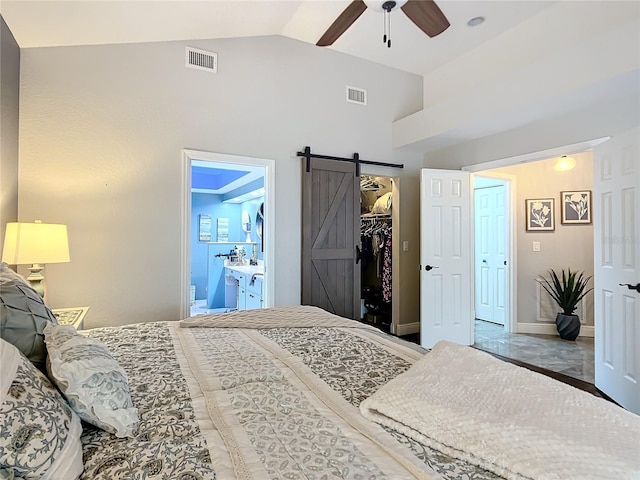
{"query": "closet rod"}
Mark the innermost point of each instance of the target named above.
(356, 159)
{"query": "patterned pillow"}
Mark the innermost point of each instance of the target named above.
(93, 382)
(23, 316)
(40, 433)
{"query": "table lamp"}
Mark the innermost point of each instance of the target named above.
(36, 244)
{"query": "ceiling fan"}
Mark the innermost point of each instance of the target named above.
(424, 13)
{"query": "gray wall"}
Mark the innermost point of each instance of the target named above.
(9, 108)
(567, 246)
(102, 133)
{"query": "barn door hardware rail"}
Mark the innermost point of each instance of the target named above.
(356, 159)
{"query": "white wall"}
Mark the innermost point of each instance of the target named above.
(101, 139)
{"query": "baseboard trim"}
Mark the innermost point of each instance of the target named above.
(407, 328)
(550, 329)
(531, 328)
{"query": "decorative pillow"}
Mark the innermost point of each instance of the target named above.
(23, 316)
(40, 433)
(93, 382)
(7, 274)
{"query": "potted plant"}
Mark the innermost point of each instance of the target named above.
(567, 292)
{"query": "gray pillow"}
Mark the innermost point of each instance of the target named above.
(6, 275)
(23, 317)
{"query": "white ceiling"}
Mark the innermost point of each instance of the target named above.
(58, 23)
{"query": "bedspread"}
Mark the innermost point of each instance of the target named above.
(260, 395)
(277, 418)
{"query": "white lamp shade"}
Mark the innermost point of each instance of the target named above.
(26, 243)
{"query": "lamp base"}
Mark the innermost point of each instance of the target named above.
(36, 278)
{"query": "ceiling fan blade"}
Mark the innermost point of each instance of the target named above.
(344, 21)
(427, 16)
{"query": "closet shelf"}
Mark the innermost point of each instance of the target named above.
(375, 216)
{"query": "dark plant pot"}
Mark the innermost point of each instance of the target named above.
(568, 326)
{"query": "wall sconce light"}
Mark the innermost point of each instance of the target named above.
(35, 243)
(564, 163)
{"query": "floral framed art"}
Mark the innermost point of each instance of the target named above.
(576, 207)
(540, 214)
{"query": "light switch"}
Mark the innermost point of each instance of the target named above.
(405, 245)
(536, 246)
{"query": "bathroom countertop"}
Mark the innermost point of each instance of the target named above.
(246, 268)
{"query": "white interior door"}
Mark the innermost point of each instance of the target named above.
(616, 184)
(490, 253)
(445, 257)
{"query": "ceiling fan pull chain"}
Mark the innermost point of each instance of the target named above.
(389, 28)
(384, 27)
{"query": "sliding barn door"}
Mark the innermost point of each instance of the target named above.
(330, 236)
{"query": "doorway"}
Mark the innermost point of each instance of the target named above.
(377, 195)
(492, 219)
(227, 207)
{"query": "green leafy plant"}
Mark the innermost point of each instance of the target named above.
(568, 291)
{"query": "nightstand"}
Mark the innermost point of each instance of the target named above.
(71, 316)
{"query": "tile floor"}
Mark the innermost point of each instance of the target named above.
(572, 358)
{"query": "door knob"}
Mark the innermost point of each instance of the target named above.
(635, 287)
(430, 267)
(484, 260)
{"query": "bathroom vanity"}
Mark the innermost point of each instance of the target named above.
(248, 284)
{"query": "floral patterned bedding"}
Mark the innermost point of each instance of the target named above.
(225, 400)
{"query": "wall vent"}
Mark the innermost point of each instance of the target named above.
(356, 95)
(201, 60)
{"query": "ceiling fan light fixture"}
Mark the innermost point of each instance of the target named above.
(425, 14)
(564, 164)
(384, 5)
(475, 21)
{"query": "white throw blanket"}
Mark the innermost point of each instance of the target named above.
(507, 419)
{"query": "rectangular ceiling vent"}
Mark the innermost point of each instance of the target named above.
(356, 95)
(201, 60)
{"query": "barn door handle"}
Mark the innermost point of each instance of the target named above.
(358, 255)
(430, 267)
(635, 287)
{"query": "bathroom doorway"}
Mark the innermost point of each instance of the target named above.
(226, 212)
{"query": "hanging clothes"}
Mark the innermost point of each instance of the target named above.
(386, 271)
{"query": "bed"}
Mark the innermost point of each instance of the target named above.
(298, 393)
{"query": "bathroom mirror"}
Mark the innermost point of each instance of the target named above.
(259, 219)
(259, 225)
(246, 224)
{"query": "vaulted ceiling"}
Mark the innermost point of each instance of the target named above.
(528, 60)
(58, 22)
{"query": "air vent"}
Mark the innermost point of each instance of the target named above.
(201, 60)
(356, 95)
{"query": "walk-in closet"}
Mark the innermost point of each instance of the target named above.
(376, 209)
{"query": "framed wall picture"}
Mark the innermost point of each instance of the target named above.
(576, 207)
(204, 228)
(223, 229)
(540, 214)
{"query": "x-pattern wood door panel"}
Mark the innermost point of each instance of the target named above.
(330, 226)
